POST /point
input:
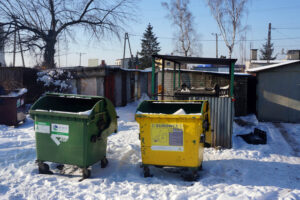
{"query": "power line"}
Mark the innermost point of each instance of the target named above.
(283, 33)
(294, 45)
(288, 28)
(278, 8)
(213, 40)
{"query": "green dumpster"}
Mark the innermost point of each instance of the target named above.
(72, 129)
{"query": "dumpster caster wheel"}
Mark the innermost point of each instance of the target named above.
(44, 168)
(60, 167)
(86, 173)
(200, 168)
(192, 177)
(104, 162)
(147, 172)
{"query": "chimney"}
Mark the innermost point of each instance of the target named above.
(253, 54)
(103, 64)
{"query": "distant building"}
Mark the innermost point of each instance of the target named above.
(93, 62)
(251, 64)
(127, 63)
(218, 68)
(293, 55)
(254, 62)
(169, 64)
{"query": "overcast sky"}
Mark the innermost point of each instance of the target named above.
(284, 16)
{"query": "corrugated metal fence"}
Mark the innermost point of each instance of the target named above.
(222, 112)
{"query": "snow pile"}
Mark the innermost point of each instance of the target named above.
(180, 112)
(16, 93)
(55, 80)
(246, 171)
(144, 97)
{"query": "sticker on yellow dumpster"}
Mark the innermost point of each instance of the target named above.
(167, 137)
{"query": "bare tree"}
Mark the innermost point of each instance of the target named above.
(186, 38)
(42, 22)
(228, 14)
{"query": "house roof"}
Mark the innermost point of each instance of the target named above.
(266, 67)
(196, 60)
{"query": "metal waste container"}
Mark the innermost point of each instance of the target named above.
(173, 133)
(72, 129)
(12, 106)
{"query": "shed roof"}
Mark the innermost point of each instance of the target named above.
(266, 67)
(196, 60)
(208, 72)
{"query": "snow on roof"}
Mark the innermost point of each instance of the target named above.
(203, 71)
(257, 69)
(267, 61)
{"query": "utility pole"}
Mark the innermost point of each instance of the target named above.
(80, 54)
(14, 51)
(21, 49)
(269, 43)
(216, 34)
(58, 52)
(126, 38)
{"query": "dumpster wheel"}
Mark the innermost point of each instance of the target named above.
(191, 176)
(104, 162)
(200, 168)
(44, 168)
(86, 173)
(147, 172)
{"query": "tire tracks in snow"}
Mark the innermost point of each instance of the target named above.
(295, 146)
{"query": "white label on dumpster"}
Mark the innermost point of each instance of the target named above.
(42, 127)
(167, 137)
(59, 133)
(167, 148)
(60, 128)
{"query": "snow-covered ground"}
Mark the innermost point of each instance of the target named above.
(246, 171)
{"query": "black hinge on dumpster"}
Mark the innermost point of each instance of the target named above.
(202, 138)
(101, 124)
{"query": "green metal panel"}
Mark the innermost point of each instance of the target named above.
(174, 77)
(163, 80)
(179, 76)
(153, 77)
(231, 79)
(65, 125)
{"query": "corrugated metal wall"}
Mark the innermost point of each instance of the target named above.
(143, 82)
(118, 88)
(221, 115)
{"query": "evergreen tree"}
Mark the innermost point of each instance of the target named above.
(267, 51)
(149, 46)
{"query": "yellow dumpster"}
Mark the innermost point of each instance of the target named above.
(173, 133)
